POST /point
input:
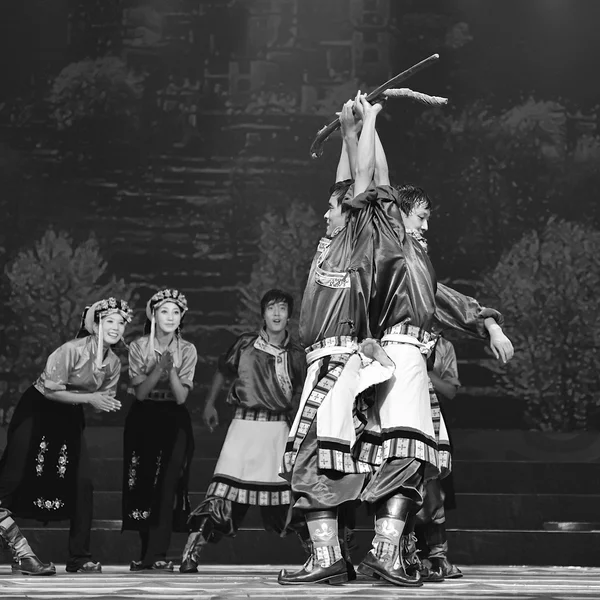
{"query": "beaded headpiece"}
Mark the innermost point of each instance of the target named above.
(99, 311)
(162, 297)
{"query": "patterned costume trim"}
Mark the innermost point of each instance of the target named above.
(258, 414)
(243, 492)
(335, 365)
(397, 443)
(45, 504)
(331, 279)
(39, 461)
(139, 515)
(132, 473)
(281, 361)
(63, 461)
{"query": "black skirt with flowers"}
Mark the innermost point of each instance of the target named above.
(151, 431)
(39, 466)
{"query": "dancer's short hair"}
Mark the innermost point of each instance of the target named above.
(410, 196)
(276, 295)
(340, 189)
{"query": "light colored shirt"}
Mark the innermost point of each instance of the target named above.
(141, 362)
(72, 367)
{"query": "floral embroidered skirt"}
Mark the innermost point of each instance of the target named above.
(39, 466)
(151, 429)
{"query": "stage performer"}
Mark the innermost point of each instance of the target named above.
(405, 442)
(44, 471)
(158, 439)
(268, 371)
(325, 477)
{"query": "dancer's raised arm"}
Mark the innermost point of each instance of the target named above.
(365, 163)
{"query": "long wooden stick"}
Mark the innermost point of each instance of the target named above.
(316, 148)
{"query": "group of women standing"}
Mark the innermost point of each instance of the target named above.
(44, 471)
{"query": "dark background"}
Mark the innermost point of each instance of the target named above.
(156, 143)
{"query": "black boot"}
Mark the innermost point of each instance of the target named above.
(413, 564)
(445, 567)
(25, 562)
(346, 537)
(195, 542)
(390, 566)
(313, 572)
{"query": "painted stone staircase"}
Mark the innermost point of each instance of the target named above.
(523, 498)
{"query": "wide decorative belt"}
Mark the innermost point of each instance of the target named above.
(405, 333)
(258, 414)
(339, 344)
(160, 395)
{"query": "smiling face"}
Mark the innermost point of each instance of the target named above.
(276, 317)
(334, 216)
(168, 317)
(417, 219)
(113, 327)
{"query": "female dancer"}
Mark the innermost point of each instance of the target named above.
(158, 439)
(44, 471)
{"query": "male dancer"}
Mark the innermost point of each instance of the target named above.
(377, 289)
(269, 372)
(400, 438)
(325, 477)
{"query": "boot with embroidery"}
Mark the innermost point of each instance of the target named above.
(326, 564)
(384, 560)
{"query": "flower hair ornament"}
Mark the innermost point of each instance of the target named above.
(162, 297)
(99, 311)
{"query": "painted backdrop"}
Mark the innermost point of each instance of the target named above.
(150, 143)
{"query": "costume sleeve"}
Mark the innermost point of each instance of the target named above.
(138, 369)
(189, 358)
(446, 365)
(230, 361)
(110, 383)
(463, 313)
(58, 368)
(378, 233)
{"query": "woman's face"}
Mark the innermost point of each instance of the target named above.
(113, 327)
(168, 317)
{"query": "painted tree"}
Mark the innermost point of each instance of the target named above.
(287, 245)
(547, 287)
(49, 285)
(96, 91)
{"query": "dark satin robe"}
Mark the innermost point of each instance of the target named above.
(256, 384)
(394, 278)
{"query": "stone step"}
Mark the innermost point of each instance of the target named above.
(467, 547)
(474, 511)
(517, 477)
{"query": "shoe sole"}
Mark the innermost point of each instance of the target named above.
(333, 580)
(34, 574)
(370, 572)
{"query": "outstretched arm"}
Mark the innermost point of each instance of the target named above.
(463, 313)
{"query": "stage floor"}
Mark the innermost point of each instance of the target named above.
(260, 581)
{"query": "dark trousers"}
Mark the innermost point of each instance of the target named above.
(156, 540)
(12, 476)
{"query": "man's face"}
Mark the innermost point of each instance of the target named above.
(334, 216)
(418, 219)
(276, 317)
